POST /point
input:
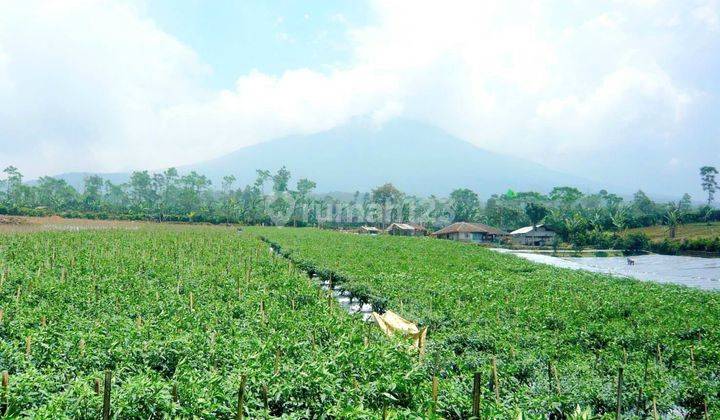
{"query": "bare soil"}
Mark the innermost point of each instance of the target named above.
(33, 224)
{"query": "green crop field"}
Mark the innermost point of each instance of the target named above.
(687, 231)
(175, 315)
(181, 316)
(559, 337)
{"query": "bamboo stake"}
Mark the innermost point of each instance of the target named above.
(5, 386)
(476, 395)
(240, 414)
(495, 380)
(640, 399)
(264, 395)
(2, 315)
(550, 376)
(618, 414)
(28, 346)
(692, 356)
(106, 395)
(192, 302)
(81, 345)
(276, 369)
(654, 407)
(434, 393)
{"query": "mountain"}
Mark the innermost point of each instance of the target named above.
(417, 158)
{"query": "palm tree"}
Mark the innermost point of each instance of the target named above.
(619, 218)
(673, 218)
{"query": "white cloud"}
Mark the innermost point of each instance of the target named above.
(98, 86)
(707, 14)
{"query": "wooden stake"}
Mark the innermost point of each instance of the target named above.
(495, 380)
(28, 346)
(434, 393)
(618, 413)
(640, 398)
(476, 395)
(659, 354)
(5, 386)
(692, 356)
(192, 302)
(2, 314)
(550, 375)
(43, 321)
(654, 407)
(106, 395)
(276, 369)
(239, 414)
(96, 386)
(81, 345)
(175, 394)
(264, 395)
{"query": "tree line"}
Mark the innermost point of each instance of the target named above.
(271, 199)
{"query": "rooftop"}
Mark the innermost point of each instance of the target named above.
(466, 227)
(525, 229)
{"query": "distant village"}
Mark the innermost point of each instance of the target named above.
(479, 233)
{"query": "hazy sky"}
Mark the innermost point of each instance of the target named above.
(619, 91)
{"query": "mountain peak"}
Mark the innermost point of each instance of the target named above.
(418, 158)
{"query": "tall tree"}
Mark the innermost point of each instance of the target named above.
(464, 205)
(92, 193)
(384, 196)
(535, 212)
(281, 180)
(709, 183)
(565, 195)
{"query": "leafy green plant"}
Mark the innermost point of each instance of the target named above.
(558, 335)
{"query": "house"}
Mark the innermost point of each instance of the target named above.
(470, 232)
(533, 235)
(406, 229)
(368, 230)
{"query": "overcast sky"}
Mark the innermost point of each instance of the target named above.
(625, 92)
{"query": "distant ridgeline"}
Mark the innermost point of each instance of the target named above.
(599, 219)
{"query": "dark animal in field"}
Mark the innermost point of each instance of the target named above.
(630, 261)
